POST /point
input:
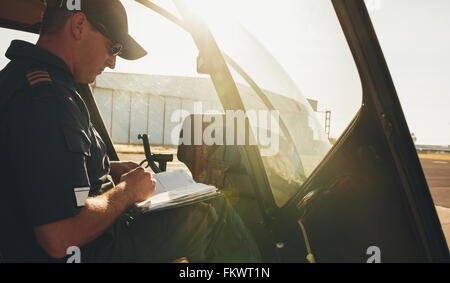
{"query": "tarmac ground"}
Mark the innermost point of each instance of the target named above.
(436, 168)
(437, 172)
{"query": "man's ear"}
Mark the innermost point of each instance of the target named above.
(79, 25)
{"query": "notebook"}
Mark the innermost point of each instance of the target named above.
(175, 188)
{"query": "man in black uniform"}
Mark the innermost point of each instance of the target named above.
(57, 181)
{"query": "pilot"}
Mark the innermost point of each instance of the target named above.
(58, 188)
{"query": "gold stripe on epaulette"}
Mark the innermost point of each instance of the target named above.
(37, 72)
(30, 78)
(40, 80)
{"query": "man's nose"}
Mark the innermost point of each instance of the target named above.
(111, 63)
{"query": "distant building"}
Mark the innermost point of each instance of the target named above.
(433, 148)
(133, 104)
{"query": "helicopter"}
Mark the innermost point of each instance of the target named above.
(310, 201)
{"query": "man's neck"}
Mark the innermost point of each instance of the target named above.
(57, 48)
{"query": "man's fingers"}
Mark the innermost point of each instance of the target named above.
(137, 168)
(129, 165)
(132, 164)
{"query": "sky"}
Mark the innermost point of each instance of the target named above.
(415, 38)
(305, 38)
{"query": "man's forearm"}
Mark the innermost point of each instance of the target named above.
(97, 215)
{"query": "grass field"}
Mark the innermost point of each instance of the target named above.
(436, 156)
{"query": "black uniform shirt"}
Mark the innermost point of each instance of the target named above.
(52, 156)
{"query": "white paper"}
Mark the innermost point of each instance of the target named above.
(167, 181)
(176, 187)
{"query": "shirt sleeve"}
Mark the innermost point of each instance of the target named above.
(50, 158)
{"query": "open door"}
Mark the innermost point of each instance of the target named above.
(369, 196)
(368, 200)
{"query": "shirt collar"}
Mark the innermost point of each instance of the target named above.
(24, 50)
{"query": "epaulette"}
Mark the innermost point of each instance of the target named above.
(38, 76)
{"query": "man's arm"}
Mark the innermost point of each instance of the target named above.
(97, 215)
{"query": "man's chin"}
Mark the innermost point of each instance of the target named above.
(89, 80)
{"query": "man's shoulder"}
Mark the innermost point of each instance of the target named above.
(26, 77)
(25, 86)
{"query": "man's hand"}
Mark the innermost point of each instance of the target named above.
(97, 215)
(138, 184)
(118, 168)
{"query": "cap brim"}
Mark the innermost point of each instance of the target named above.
(131, 49)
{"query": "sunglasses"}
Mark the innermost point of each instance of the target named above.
(116, 48)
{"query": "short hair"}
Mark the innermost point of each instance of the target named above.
(54, 20)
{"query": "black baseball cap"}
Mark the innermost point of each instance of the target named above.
(112, 16)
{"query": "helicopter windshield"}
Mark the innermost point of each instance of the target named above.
(309, 28)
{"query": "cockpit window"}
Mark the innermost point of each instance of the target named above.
(293, 52)
(302, 65)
